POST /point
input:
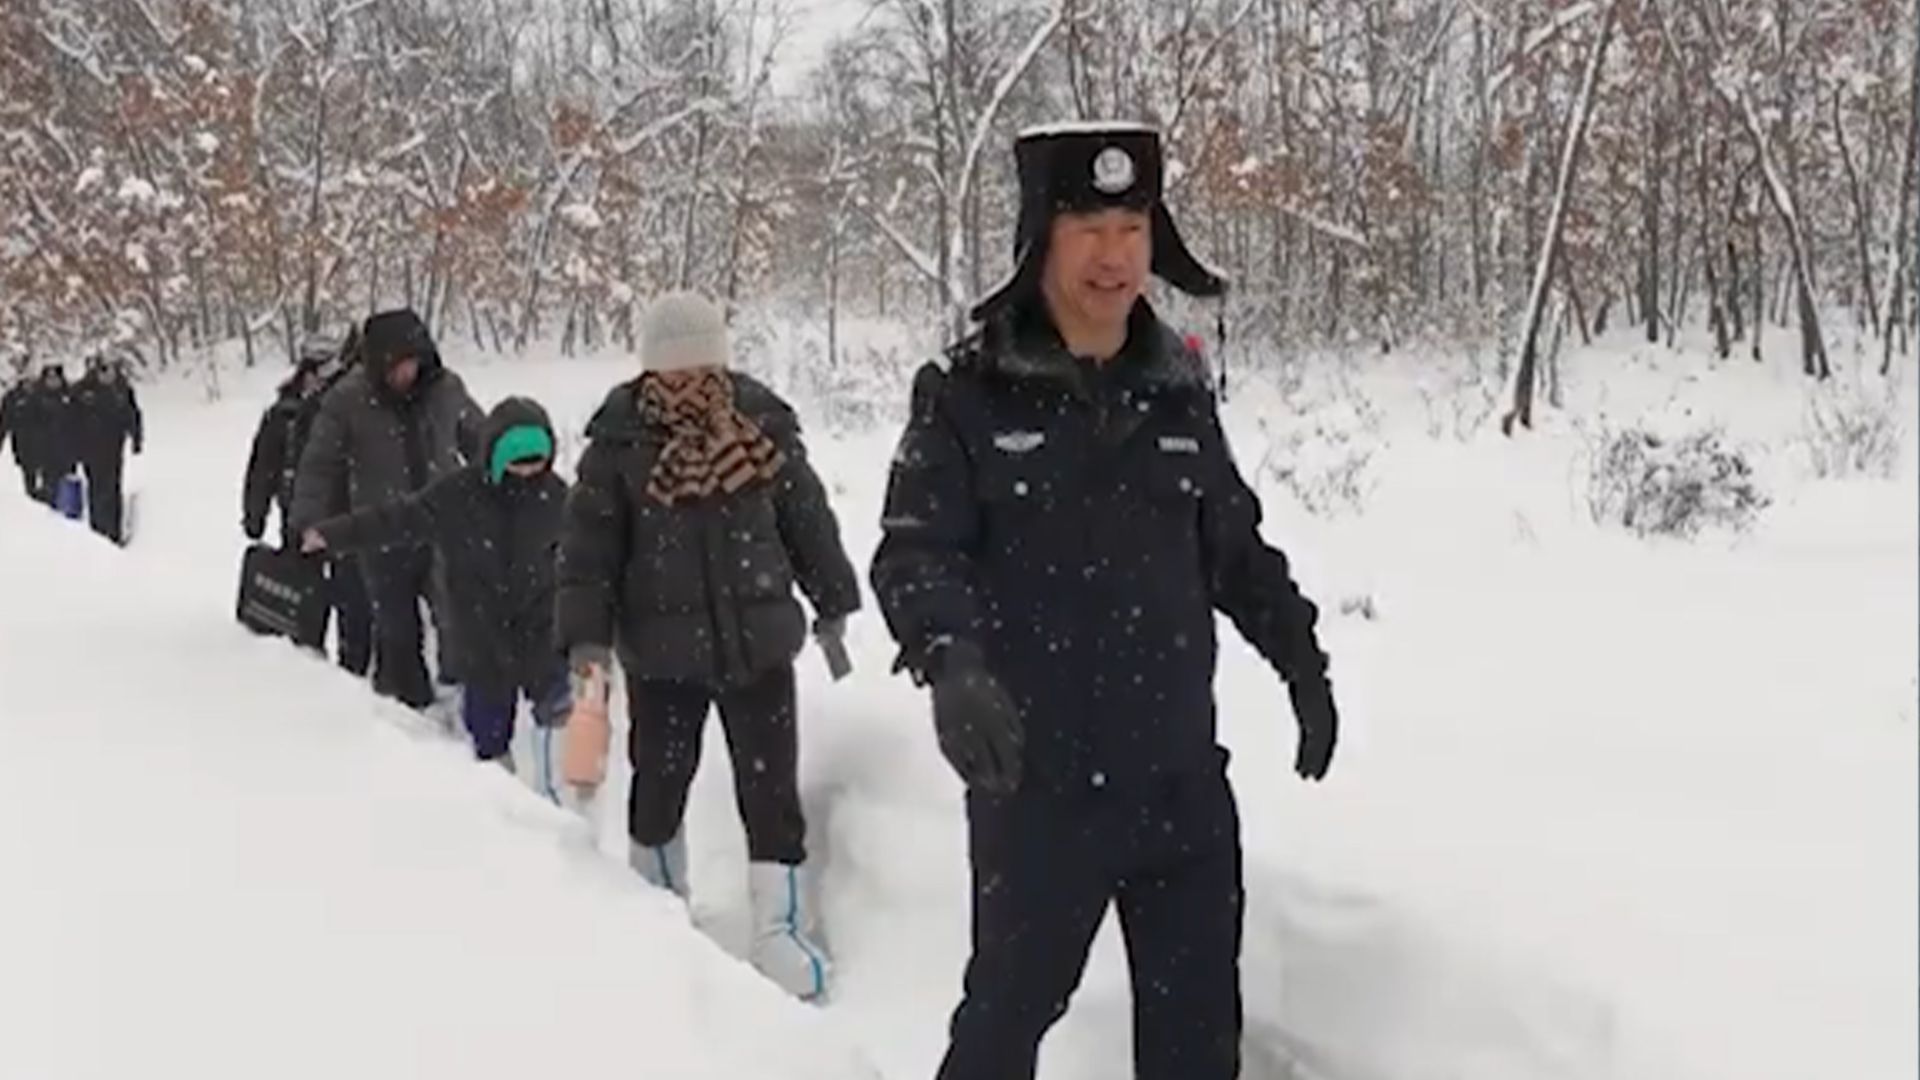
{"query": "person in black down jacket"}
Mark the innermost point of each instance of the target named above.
(269, 481)
(394, 424)
(496, 524)
(41, 426)
(106, 418)
(1063, 520)
(16, 417)
(694, 515)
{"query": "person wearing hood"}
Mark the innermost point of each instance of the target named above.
(496, 525)
(694, 515)
(106, 419)
(1062, 521)
(391, 426)
(269, 481)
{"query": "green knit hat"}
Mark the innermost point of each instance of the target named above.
(522, 441)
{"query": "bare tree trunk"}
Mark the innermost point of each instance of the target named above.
(1812, 344)
(309, 313)
(697, 173)
(1654, 149)
(833, 296)
(246, 331)
(1905, 240)
(946, 85)
(1579, 308)
(1862, 216)
(1716, 300)
(1759, 305)
(439, 278)
(1522, 410)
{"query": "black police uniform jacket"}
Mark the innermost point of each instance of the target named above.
(1081, 524)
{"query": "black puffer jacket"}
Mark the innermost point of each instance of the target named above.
(1081, 527)
(384, 446)
(15, 418)
(701, 592)
(498, 542)
(275, 459)
(40, 423)
(106, 416)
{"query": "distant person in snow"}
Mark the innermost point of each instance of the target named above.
(106, 419)
(43, 426)
(271, 467)
(1063, 519)
(394, 424)
(496, 524)
(16, 416)
(694, 514)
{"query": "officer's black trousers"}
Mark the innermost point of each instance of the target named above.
(105, 499)
(1045, 869)
(43, 480)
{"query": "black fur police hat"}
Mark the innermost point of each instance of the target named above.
(1075, 168)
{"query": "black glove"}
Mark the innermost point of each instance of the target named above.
(975, 719)
(254, 529)
(1319, 725)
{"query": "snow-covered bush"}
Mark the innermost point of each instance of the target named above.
(1853, 430)
(859, 393)
(1463, 405)
(1660, 485)
(1323, 456)
(866, 385)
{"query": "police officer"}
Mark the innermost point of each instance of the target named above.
(1062, 521)
(16, 408)
(105, 419)
(45, 417)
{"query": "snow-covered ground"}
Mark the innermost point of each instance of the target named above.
(1603, 808)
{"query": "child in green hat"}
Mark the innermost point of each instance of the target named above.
(495, 526)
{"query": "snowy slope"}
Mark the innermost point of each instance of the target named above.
(223, 861)
(1603, 808)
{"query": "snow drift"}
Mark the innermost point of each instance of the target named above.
(224, 860)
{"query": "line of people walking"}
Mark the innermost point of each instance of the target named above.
(694, 517)
(1064, 520)
(75, 433)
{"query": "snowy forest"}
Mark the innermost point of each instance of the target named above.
(176, 173)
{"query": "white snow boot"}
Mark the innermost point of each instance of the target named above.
(786, 945)
(543, 772)
(665, 866)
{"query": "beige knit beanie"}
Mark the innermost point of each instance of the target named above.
(683, 330)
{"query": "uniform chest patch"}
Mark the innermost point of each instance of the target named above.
(1179, 444)
(1019, 442)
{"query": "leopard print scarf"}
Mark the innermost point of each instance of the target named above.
(711, 446)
